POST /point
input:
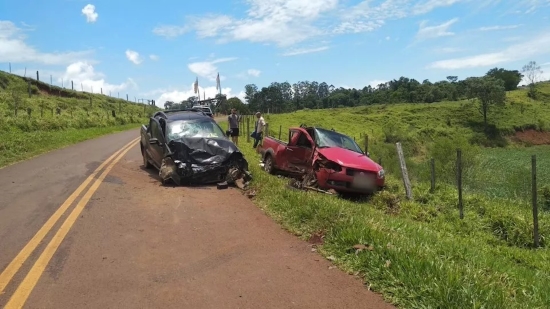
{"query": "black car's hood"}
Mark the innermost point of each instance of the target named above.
(202, 150)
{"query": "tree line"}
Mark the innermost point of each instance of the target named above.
(283, 97)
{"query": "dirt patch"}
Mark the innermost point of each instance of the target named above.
(317, 238)
(532, 137)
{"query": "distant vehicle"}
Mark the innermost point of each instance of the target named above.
(205, 109)
(189, 147)
(335, 159)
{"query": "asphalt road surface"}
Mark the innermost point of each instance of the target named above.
(124, 241)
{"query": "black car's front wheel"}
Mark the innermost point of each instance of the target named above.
(145, 157)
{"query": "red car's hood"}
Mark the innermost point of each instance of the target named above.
(348, 158)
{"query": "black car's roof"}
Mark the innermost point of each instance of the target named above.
(181, 115)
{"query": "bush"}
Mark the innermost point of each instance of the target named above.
(444, 152)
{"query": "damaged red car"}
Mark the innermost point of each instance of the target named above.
(335, 160)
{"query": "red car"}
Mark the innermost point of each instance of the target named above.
(337, 160)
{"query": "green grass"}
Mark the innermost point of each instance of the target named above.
(25, 145)
(54, 117)
(424, 255)
(506, 173)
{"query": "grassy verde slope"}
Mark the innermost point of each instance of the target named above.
(420, 253)
(55, 117)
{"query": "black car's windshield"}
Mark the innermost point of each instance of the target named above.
(179, 129)
(326, 138)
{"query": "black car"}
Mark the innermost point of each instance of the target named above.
(189, 147)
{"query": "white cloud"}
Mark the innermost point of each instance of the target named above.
(283, 22)
(154, 57)
(493, 28)
(178, 95)
(168, 31)
(208, 69)
(254, 72)
(287, 22)
(537, 46)
(301, 51)
(83, 73)
(428, 6)
(367, 16)
(133, 56)
(14, 49)
(90, 13)
(431, 32)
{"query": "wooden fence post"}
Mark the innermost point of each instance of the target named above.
(432, 175)
(366, 143)
(280, 131)
(404, 172)
(247, 129)
(459, 182)
(534, 201)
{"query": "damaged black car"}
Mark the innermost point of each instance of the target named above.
(189, 148)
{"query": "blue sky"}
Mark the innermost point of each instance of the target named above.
(156, 49)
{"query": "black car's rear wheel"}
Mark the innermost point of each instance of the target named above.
(145, 157)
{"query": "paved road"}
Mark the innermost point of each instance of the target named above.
(127, 242)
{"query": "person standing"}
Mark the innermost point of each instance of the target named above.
(233, 121)
(259, 131)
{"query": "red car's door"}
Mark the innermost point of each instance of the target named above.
(298, 152)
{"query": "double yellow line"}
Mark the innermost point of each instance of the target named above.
(22, 293)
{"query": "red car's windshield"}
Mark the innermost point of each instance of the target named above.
(326, 138)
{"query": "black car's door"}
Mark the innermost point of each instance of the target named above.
(156, 142)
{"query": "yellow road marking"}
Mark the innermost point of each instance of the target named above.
(23, 255)
(20, 296)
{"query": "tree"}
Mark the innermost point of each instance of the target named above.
(511, 78)
(532, 72)
(488, 91)
(168, 104)
(452, 79)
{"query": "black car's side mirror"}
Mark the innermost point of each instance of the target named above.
(153, 141)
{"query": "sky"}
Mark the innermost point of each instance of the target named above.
(156, 49)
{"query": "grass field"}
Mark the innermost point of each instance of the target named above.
(422, 255)
(54, 117)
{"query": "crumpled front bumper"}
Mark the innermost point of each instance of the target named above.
(182, 173)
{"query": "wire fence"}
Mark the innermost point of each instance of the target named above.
(30, 104)
(47, 82)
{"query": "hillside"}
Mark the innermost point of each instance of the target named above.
(419, 253)
(54, 117)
